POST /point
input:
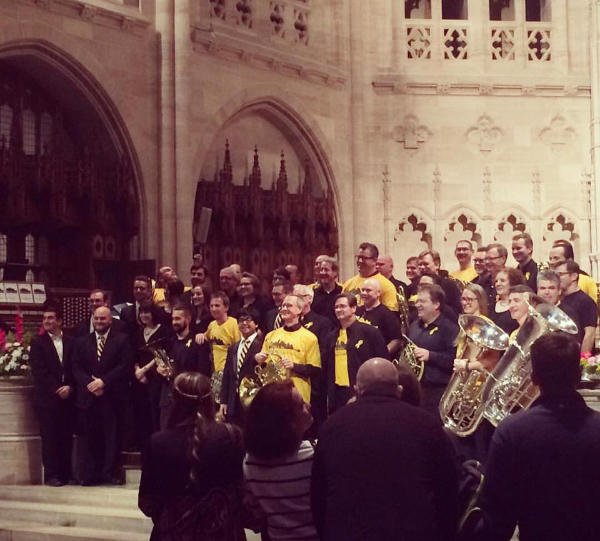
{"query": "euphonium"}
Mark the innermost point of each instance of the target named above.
(461, 406)
(269, 372)
(159, 358)
(512, 388)
(408, 358)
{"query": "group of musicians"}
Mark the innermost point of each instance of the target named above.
(320, 333)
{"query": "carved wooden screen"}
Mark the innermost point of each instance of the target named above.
(67, 197)
(263, 229)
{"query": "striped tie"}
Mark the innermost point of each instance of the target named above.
(277, 321)
(100, 345)
(245, 348)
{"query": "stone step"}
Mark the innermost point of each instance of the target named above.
(120, 497)
(14, 530)
(84, 516)
(132, 477)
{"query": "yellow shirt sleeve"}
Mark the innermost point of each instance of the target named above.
(587, 285)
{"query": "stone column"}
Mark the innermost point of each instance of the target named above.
(167, 219)
(186, 179)
(595, 132)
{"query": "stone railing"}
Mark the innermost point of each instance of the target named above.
(426, 39)
(285, 21)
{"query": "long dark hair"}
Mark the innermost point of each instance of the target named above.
(193, 410)
(272, 422)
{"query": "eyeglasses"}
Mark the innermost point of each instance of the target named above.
(467, 300)
(492, 258)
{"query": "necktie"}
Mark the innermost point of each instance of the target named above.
(245, 348)
(100, 345)
(277, 321)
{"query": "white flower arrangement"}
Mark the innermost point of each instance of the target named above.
(14, 359)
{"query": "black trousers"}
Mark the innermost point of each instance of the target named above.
(341, 395)
(101, 442)
(430, 399)
(56, 429)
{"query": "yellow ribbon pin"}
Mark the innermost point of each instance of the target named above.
(358, 344)
(432, 331)
(188, 343)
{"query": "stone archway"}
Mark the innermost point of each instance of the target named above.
(93, 197)
(289, 171)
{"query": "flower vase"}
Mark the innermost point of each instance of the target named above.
(20, 443)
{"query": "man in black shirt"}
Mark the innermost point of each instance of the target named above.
(577, 305)
(186, 356)
(380, 316)
(385, 266)
(479, 264)
(538, 475)
(495, 261)
(522, 248)
(327, 288)
(430, 260)
(434, 336)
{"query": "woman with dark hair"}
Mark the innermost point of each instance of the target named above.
(200, 297)
(191, 470)
(152, 332)
(278, 464)
(500, 315)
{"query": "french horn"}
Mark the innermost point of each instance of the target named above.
(270, 371)
(408, 358)
(160, 358)
(461, 405)
(512, 388)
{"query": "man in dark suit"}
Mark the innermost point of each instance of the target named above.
(50, 359)
(130, 315)
(540, 473)
(102, 366)
(240, 363)
(97, 299)
(272, 318)
(383, 469)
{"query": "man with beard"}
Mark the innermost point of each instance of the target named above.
(186, 356)
(366, 261)
(464, 253)
(326, 289)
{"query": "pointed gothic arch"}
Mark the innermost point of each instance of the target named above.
(103, 195)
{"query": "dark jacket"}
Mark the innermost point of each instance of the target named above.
(49, 374)
(229, 386)
(114, 367)
(541, 473)
(438, 337)
(364, 343)
(383, 470)
(269, 321)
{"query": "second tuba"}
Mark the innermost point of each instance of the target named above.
(512, 388)
(461, 405)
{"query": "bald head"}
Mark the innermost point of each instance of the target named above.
(370, 293)
(102, 319)
(385, 265)
(377, 377)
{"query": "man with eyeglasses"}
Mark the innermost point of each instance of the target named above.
(577, 305)
(495, 261)
(479, 264)
(366, 261)
(321, 327)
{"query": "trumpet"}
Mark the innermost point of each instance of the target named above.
(408, 358)
(270, 371)
(160, 359)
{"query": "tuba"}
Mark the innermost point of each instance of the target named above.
(461, 405)
(270, 371)
(407, 357)
(512, 388)
(159, 358)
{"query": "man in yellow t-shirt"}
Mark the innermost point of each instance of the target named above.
(297, 346)
(222, 332)
(464, 253)
(366, 261)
